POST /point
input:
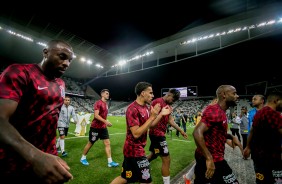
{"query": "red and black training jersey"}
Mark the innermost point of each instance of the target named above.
(266, 140)
(102, 107)
(160, 128)
(216, 120)
(136, 115)
(39, 103)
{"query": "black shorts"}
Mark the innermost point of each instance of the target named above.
(21, 177)
(266, 173)
(158, 145)
(223, 173)
(98, 133)
(63, 131)
(136, 170)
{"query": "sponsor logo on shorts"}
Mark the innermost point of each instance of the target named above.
(143, 163)
(128, 174)
(259, 176)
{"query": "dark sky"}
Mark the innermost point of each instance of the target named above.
(122, 27)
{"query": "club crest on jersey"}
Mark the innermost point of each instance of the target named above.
(63, 94)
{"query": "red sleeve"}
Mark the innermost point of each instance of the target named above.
(14, 82)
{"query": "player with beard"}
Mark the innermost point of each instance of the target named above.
(31, 97)
(210, 137)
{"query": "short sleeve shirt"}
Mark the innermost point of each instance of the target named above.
(160, 128)
(39, 103)
(215, 119)
(102, 107)
(136, 115)
(266, 140)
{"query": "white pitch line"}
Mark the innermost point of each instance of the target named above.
(180, 140)
(87, 136)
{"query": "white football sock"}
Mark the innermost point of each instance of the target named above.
(166, 179)
(62, 145)
(110, 160)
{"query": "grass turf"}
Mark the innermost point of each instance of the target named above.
(181, 153)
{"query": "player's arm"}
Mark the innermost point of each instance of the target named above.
(46, 166)
(74, 116)
(174, 125)
(137, 131)
(165, 111)
(10, 136)
(233, 141)
(198, 135)
(247, 150)
(98, 117)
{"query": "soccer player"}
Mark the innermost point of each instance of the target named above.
(264, 141)
(139, 118)
(67, 111)
(159, 145)
(99, 130)
(31, 97)
(210, 137)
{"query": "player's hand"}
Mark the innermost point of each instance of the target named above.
(166, 110)
(210, 168)
(156, 109)
(184, 135)
(109, 124)
(51, 168)
(246, 152)
(230, 143)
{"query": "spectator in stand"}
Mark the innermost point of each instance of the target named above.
(264, 141)
(31, 96)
